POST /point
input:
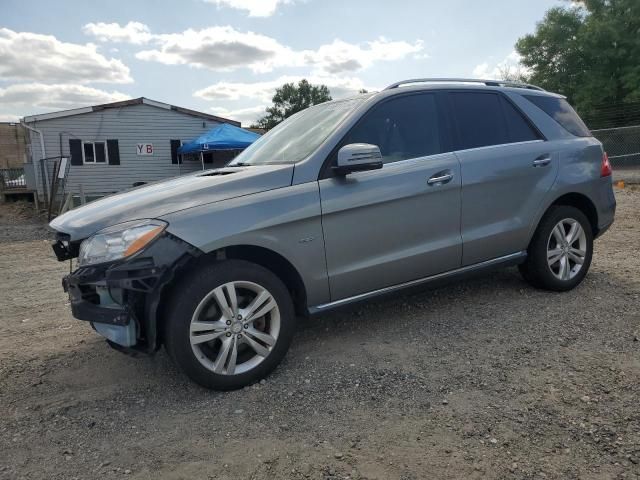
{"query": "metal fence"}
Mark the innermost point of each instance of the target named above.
(12, 178)
(622, 144)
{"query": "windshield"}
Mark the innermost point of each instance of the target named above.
(298, 136)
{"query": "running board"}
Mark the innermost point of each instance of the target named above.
(512, 259)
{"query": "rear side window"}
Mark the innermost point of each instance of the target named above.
(560, 110)
(479, 119)
(520, 130)
(485, 118)
(403, 127)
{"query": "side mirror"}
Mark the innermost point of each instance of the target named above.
(357, 157)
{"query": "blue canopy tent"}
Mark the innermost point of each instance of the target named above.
(222, 137)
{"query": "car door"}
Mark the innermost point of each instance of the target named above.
(507, 170)
(401, 222)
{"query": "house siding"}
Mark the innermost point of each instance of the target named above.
(129, 125)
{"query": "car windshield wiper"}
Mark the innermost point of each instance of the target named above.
(242, 164)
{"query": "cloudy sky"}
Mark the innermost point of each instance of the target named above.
(227, 56)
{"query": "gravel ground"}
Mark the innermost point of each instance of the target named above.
(20, 222)
(629, 175)
(487, 378)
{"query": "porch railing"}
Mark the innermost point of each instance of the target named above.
(12, 179)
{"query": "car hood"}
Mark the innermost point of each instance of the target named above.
(168, 196)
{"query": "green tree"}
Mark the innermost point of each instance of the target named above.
(291, 98)
(589, 52)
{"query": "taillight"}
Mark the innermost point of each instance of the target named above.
(605, 166)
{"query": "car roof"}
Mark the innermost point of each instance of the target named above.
(424, 84)
(466, 84)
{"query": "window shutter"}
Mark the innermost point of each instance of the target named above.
(114, 152)
(175, 144)
(75, 149)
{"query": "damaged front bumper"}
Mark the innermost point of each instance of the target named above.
(120, 299)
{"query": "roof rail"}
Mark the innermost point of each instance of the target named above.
(489, 83)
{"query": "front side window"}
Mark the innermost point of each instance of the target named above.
(403, 127)
(94, 152)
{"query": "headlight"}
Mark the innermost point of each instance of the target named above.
(119, 241)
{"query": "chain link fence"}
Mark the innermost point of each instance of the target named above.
(622, 144)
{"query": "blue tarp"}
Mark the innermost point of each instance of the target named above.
(222, 137)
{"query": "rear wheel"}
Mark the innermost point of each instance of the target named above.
(230, 324)
(560, 252)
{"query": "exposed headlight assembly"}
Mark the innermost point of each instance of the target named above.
(119, 241)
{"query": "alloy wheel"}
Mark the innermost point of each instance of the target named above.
(234, 327)
(566, 249)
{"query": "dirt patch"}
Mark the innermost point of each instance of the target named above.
(20, 221)
(487, 378)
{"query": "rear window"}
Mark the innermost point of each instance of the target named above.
(560, 110)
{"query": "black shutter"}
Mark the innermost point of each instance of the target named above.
(75, 149)
(175, 144)
(113, 152)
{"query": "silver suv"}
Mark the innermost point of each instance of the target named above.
(428, 180)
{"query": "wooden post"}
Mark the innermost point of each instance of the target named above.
(83, 199)
(65, 205)
(54, 189)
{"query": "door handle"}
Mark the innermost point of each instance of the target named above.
(542, 160)
(439, 179)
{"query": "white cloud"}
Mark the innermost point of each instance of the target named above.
(508, 68)
(34, 97)
(340, 56)
(255, 8)
(223, 48)
(220, 48)
(246, 116)
(133, 32)
(482, 70)
(264, 91)
(9, 117)
(43, 58)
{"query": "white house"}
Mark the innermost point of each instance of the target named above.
(111, 147)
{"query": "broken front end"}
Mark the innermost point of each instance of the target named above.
(123, 273)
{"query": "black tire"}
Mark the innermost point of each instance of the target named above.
(187, 297)
(536, 269)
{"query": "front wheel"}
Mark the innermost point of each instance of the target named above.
(230, 324)
(560, 252)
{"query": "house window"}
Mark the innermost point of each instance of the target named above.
(94, 152)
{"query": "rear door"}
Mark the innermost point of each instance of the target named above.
(507, 170)
(396, 224)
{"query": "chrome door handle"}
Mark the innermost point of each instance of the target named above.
(440, 179)
(542, 160)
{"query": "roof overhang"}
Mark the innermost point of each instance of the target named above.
(126, 103)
